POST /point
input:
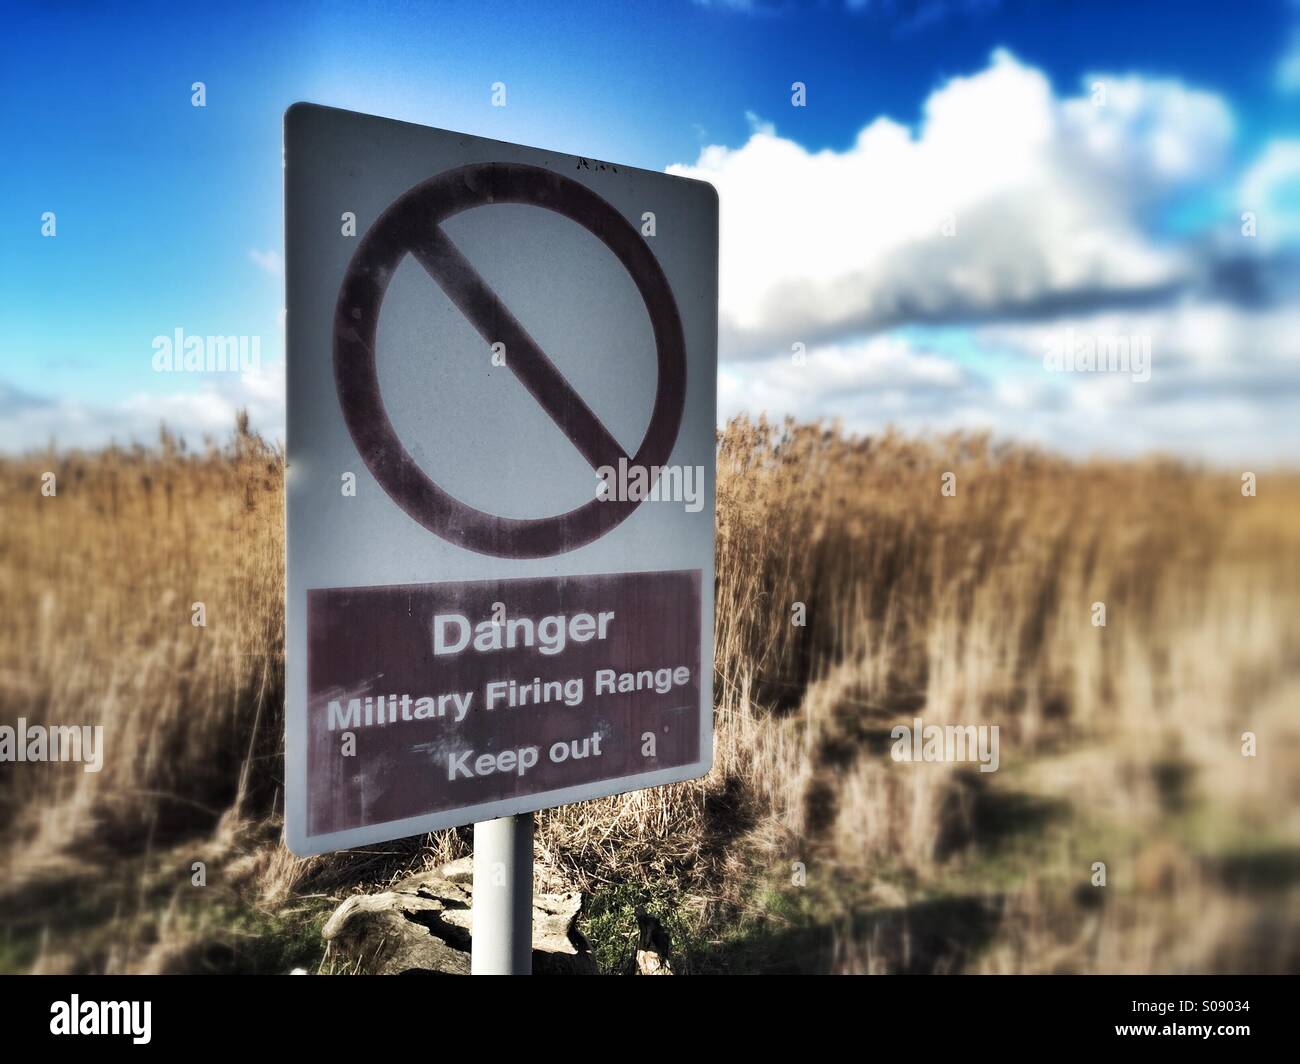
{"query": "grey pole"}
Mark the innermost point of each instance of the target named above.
(502, 921)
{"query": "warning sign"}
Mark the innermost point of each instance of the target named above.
(501, 387)
(581, 679)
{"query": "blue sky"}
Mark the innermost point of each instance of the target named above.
(169, 215)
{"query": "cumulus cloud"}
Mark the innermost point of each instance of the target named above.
(867, 384)
(32, 421)
(857, 383)
(1005, 202)
(1215, 342)
(926, 270)
(1223, 383)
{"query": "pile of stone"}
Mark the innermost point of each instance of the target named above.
(422, 924)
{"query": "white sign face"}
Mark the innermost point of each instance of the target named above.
(502, 370)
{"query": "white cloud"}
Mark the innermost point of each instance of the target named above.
(1224, 384)
(271, 261)
(31, 421)
(1051, 199)
(1271, 189)
(859, 382)
(1046, 197)
(1221, 345)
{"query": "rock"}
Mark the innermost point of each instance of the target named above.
(558, 946)
(392, 933)
(423, 924)
(461, 871)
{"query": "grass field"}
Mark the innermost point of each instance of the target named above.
(808, 848)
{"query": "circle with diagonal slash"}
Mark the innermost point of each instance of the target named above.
(413, 225)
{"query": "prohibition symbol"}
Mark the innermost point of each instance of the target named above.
(413, 224)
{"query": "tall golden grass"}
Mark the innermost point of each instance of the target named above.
(1120, 743)
(99, 581)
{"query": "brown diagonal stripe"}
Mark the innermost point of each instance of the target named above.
(475, 299)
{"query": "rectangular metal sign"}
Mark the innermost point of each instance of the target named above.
(500, 495)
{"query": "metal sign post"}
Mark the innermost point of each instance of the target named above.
(503, 897)
(502, 378)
